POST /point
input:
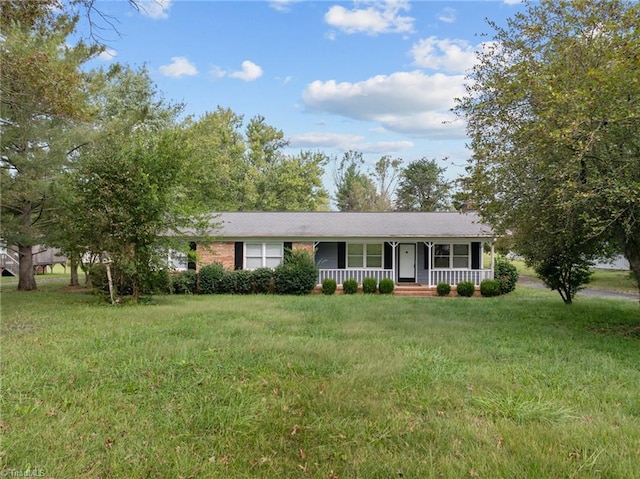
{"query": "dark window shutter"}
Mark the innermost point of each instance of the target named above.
(238, 255)
(426, 256)
(476, 251)
(191, 258)
(288, 247)
(388, 256)
(342, 255)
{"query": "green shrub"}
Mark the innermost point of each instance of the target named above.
(369, 285)
(184, 282)
(465, 288)
(210, 277)
(297, 274)
(386, 286)
(262, 280)
(235, 282)
(506, 274)
(443, 289)
(350, 286)
(490, 287)
(329, 286)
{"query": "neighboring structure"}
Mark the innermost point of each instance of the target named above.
(43, 258)
(618, 263)
(423, 248)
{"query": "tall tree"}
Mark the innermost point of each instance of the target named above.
(423, 187)
(385, 174)
(42, 90)
(553, 108)
(354, 189)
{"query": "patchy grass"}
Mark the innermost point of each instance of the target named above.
(320, 386)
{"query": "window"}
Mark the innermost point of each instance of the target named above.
(451, 256)
(460, 255)
(441, 253)
(261, 255)
(363, 255)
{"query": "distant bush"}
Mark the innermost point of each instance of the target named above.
(369, 285)
(350, 286)
(506, 273)
(210, 277)
(329, 286)
(184, 282)
(490, 287)
(443, 289)
(465, 288)
(262, 280)
(386, 286)
(297, 274)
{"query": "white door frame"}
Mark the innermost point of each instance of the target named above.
(407, 257)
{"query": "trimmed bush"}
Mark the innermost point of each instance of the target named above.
(506, 274)
(490, 287)
(465, 288)
(297, 274)
(369, 285)
(210, 277)
(262, 280)
(386, 286)
(443, 289)
(350, 286)
(236, 282)
(329, 286)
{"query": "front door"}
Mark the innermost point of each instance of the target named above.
(407, 263)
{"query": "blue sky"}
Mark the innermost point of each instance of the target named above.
(377, 77)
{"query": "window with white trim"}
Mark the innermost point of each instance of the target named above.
(262, 255)
(365, 255)
(456, 256)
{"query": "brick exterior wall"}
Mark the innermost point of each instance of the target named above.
(224, 252)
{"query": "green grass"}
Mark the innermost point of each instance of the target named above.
(321, 386)
(607, 280)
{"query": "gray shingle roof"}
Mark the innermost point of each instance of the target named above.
(319, 225)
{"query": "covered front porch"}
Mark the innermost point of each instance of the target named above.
(425, 262)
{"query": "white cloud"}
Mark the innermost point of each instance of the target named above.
(447, 15)
(453, 56)
(382, 17)
(107, 55)
(326, 140)
(179, 67)
(250, 72)
(512, 2)
(156, 9)
(282, 5)
(345, 141)
(406, 102)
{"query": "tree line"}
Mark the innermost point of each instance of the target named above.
(98, 161)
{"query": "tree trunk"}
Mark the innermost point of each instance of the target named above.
(27, 276)
(631, 250)
(73, 266)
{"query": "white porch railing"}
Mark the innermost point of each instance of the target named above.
(340, 275)
(455, 276)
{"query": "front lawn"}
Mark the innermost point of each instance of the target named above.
(328, 387)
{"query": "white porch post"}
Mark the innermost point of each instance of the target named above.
(429, 245)
(393, 244)
(493, 259)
